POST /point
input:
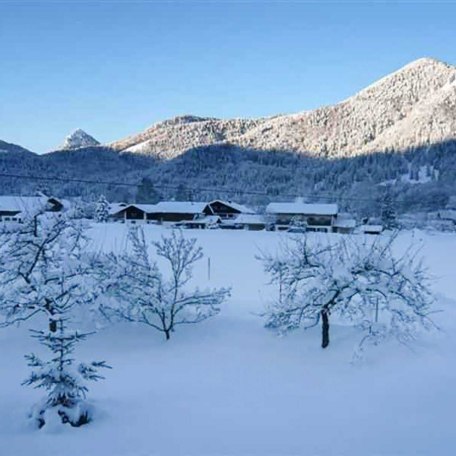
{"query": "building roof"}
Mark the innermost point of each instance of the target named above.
(176, 207)
(302, 208)
(114, 208)
(239, 207)
(344, 220)
(24, 204)
(372, 228)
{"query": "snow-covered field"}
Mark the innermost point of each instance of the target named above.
(227, 386)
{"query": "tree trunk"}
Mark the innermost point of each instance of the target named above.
(52, 325)
(324, 328)
(167, 334)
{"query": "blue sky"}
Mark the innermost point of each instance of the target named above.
(114, 68)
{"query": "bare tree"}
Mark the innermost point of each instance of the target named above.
(363, 283)
(139, 292)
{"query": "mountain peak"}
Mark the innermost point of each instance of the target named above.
(426, 61)
(77, 139)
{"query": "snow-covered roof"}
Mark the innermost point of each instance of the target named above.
(116, 207)
(239, 207)
(24, 204)
(344, 220)
(207, 220)
(302, 208)
(246, 219)
(178, 207)
(147, 208)
(372, 228)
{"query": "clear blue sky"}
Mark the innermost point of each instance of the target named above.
(113, 68)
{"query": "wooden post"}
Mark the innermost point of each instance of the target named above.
(209, 269)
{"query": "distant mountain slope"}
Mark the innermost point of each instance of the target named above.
(172, 137)
(13, 148)
(409, 108)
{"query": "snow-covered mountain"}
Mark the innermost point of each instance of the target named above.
(411, 110)
(411, 107)
(6, 147)
(78, 139)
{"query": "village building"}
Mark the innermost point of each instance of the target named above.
(227, 209)
(175, 212)
(315, 217)
(344, 223)
(17, 208)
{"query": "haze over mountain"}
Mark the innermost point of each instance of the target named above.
(408, 108)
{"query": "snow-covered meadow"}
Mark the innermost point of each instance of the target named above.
(227, 386)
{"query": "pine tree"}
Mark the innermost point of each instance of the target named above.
(102, 210)
(45, 269)
(146, 192)
(64, 382)
(182, 193)
(388, 214)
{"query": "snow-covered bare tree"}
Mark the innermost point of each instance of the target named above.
(45, 271)
(139, 291)
(362, 283)
(102, 209)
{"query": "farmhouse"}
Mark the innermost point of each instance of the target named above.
(176, 211)
(16, 208)
(315, 217)
(179, 211)
(227, 209)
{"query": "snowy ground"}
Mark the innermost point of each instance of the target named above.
(229, 387)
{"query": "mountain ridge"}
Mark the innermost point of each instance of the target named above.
(394, 112)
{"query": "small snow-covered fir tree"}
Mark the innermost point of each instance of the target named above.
(363, 284)
(102, 210)
(45, 270)
(139, 291)
(388, 213)
(64, 381)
